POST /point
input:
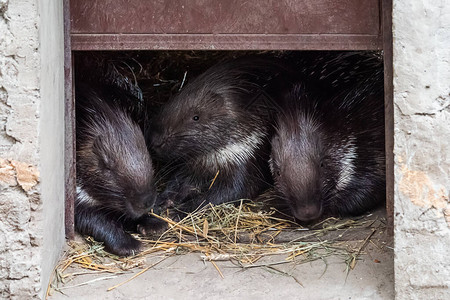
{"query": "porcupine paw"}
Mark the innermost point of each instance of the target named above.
(125, 245)
(149, 226)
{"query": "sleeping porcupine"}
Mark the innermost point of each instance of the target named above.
(328, 152)
(115, 177)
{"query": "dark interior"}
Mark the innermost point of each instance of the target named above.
(152, 77)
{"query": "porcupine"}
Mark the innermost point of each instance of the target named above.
(215, 132)
(328, 153)
(115, 176)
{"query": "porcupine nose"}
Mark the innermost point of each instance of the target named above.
(143, 203)
(308, 213)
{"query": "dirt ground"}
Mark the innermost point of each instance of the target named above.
(189, 277)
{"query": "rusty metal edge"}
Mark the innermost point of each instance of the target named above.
(389, 109)
(84, 42)
(69, 120)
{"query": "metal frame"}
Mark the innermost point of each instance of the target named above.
(200, 41)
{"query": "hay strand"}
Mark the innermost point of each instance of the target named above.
(243, 233)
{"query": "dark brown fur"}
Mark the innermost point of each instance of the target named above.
(218, 124)
(328, 150)
(115, 177)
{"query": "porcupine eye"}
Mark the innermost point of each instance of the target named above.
(196, 118)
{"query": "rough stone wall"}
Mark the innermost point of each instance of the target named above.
(22, 143)
(19, 98)
(421, 32)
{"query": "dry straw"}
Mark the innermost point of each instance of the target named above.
(242, 232)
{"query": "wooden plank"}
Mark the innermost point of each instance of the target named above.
(331, 230)
(225, 17)
(389, 110)
(337, 231)
(225, 42)
(69, 142)
(311, 236)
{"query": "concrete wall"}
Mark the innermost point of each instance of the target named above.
(31, 145)
(422, 148)
(51, 139)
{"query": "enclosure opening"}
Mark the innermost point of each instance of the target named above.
(151, 78)
(165, 63)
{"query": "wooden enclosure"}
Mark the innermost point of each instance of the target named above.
(226, 25)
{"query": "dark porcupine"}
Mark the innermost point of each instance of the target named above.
(115, 177)
(328, 155)
(114, 75)
(329, 72)
(214, 134)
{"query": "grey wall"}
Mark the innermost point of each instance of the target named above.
(20, 202)
(422, 148)
(51, 137)
(31, 145)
